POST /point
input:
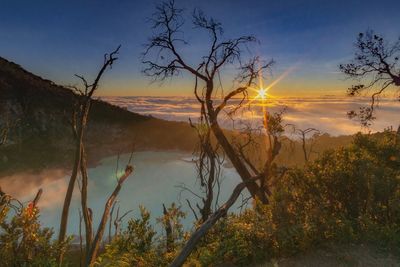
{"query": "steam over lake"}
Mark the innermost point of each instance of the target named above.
(154, 182)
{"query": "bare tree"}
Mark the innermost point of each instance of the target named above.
(86, 211)
(307, 142)
(115, 221)
(79, 123)
(376, 67)
(118, 221)
(208, 165)
(163, 59)
(208, 159)
(274, 129)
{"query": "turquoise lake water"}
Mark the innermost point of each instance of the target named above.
(155, 181)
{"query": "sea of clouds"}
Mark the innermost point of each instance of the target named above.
(327, 114)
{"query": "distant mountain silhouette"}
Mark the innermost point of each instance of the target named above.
(42, 136)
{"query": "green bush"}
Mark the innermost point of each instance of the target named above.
(138, 245)
(347, 195)
(134, 247)
(23, 242)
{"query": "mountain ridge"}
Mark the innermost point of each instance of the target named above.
(40, 110)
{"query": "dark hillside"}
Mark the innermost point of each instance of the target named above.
(39, 112)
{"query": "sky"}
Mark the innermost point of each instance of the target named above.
(57, 39)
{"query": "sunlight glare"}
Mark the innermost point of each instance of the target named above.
(262, 93)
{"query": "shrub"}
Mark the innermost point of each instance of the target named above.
(23, 242)
(138, 245)
(347, 195)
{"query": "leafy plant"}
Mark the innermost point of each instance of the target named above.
(23, 242)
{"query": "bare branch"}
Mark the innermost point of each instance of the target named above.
(377, 61)
(92, 255)
(203, 229)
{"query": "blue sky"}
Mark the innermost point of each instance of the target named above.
(56, 39)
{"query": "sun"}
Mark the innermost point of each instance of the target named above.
(262, 93)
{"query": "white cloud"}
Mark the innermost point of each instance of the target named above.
(327, 114)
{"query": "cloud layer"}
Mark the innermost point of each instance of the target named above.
(328, 114)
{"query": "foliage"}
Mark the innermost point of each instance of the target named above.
(174, 236)
(134, 247)
(347, 195)
(23, 242)
(138, 245)
(343, 189)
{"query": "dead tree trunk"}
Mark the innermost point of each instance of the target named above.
(233, 156)
(203, 229)
(110, 222)
(87, 218)
(94, 249)
(37, 198)
(207, 202)
(68, 195)
(79, 121)
(81, 262)
(78, 131)
(168, 231)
